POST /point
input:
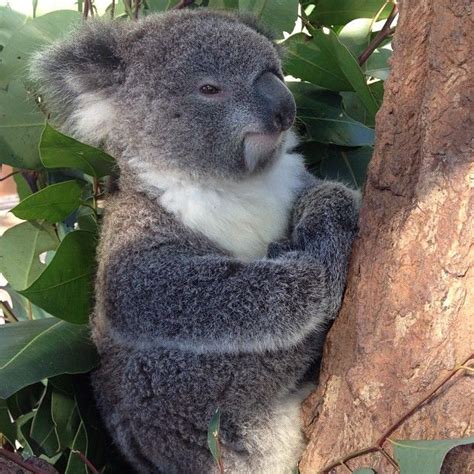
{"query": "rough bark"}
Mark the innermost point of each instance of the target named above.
(408, 313)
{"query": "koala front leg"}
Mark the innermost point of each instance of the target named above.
(325, 224)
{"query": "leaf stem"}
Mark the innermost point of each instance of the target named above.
(85, 461)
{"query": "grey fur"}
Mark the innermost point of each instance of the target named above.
(182, 325)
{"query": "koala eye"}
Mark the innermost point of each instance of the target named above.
(208, 89)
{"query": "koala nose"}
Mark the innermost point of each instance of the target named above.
(276, 101)
(284, 119)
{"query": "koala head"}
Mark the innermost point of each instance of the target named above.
(194, 92)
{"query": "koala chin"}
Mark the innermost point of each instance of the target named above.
(222, 261)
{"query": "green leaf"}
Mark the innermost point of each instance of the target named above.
(10, 21)
(25, 400)
(53, 203)
(22, 188)
(279, 15)
(378, 65)
(21, 124)
(340, 12)
(311, 61)
(43, 428)
(87, 219)
(356, 110)
(64, 289)
(323, 60)
(35, 33)
(364, 470)
(223, 4)
(355, 36)
(80, 443)
(65, 417)
(161, 5)
(28, 444)
(340, 163)
(7, 427)
(22, 308)
(324, 118)
(425, 456)
(31, 351)
(350, 69)
(20, 248)
(60, 151)
(213, 433)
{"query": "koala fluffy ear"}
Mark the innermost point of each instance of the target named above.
(77, 78)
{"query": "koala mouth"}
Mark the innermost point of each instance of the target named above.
(260, 148)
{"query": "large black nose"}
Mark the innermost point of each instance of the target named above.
(277, 103)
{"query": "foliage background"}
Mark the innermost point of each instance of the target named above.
(49, 260)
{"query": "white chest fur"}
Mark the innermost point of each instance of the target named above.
(240, 217)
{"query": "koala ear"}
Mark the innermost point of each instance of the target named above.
(77, 78)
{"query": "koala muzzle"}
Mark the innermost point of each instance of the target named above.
(277, 103)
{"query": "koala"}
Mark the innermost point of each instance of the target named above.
(222, 261)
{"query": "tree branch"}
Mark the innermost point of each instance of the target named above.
(183, 4)
(9, 175)
(386, 31)
(378, 447)
(15, 458)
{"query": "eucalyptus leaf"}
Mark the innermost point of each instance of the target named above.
(10, 21)
(355, 35)
(378, 64)
(339, 12)
(64, 289)
(310, 61)
(161, 5)
(60, 151)
(356, 110)
(223, 4)
(350, 69)
(29, 445)
(22, 308)
(348, 165)
(31, 351)
(364, 470)
(425, 457)
(278, 15)
(34, 34)
(20, 248)
(7, 427)
(22, 187)
(53, 203)
(65, 417)
(80, 443)
(43, 428)
(25, 400)
(21, 124)
(324, 118)
(213, 433)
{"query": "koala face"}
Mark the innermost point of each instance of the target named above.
(194, 91)
(206, 95)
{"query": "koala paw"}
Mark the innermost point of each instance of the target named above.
(326, 215)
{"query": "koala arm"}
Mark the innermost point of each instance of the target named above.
(214, 303)
(163, 294)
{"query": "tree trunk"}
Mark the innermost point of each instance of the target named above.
(407, 317)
